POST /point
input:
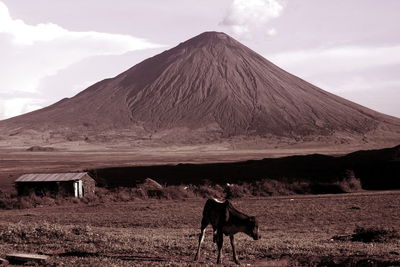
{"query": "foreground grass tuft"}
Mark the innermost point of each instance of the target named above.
(40, 233)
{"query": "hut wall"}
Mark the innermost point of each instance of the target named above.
(89, 185)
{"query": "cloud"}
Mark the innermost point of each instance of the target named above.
(70, 81)
(24, 34)
(339, 59)
(271, 32)
(16, 106)
(361, 83)
(246, 15)
(375, 92)
(29, 53)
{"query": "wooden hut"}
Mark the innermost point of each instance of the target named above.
(56, 184)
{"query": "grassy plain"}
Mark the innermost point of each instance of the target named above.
(296, 231)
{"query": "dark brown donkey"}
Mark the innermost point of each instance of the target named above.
(226, 220)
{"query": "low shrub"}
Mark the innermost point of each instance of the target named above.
(178, 192)
(81, 230)
(237, 191)
(8, 200)
(269, 187)
(300, 187)
(208, 191)
(9, 203)
(124, 194)
(349, 185)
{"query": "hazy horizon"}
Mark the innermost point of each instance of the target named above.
(51, 50)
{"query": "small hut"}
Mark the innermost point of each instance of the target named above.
(56, 184)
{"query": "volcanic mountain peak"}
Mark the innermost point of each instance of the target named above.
(218, 45)
(207, 88)
(210, 38)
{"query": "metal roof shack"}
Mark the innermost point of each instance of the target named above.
(52, 184)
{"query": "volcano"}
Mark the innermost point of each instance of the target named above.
(208, 89)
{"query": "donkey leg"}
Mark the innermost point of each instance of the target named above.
(201, 238)
(235, 259)
(220, 242)
(204, 224)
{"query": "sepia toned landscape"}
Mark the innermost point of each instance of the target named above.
(117, 150)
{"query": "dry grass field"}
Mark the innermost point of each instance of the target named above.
(312, 230)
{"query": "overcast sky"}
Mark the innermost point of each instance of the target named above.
(51, 49)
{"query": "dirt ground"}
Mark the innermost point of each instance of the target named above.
(296, 231)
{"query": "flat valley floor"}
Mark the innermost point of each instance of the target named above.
(296, 230)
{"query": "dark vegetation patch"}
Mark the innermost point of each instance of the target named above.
(40, 149)
(370, 234)
(374, 234)
(144, 191)
(310, 174)
(373, 170)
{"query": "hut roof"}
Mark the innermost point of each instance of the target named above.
(51, 177)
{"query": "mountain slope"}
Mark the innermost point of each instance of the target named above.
(213, 85)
